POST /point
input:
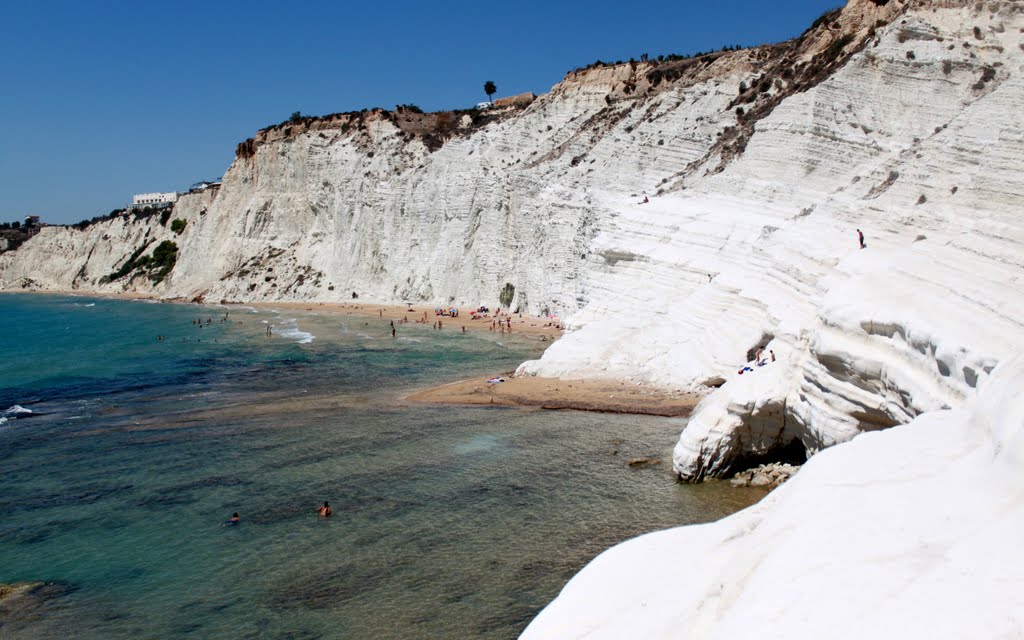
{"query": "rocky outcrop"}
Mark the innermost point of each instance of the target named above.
(23, 603)
(765, 475)
(765, 251)
(898, 118)
(879, 534)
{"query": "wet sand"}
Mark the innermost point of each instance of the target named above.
(522, 324)
(549, 393)
(526, 391)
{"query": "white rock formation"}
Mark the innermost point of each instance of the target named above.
(922, 155)
(917, 139)
(911, 130)
(906, 533)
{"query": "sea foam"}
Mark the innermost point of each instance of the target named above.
(16, 411)
(292, 330)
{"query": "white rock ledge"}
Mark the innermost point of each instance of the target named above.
(912, 532)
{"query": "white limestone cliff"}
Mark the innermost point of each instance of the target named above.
(917, 151)
(901, 119)
(748, 240)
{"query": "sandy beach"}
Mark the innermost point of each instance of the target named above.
(527, 391)
(536, 327)
(550, 393)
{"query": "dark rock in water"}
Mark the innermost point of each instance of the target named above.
(329, 588)
(642, 462)
(22, 602)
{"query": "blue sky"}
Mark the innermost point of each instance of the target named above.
(101, 100)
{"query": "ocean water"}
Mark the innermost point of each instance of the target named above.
(121, 455)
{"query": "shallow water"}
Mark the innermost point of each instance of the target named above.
(450, 522)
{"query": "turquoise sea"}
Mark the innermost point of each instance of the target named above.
(121, 455)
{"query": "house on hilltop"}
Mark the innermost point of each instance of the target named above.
(154, 200)
(203, 185)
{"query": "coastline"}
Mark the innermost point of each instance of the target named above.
(608, 396)
(545, 329)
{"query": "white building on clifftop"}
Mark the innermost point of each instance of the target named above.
(156, 200)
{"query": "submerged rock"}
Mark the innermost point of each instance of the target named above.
(643, 462)
(22, 601)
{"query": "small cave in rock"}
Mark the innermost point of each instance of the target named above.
(761, 344)
(714, 382)
(793, 452)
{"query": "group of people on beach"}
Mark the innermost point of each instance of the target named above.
(497, 322)
(501, 321)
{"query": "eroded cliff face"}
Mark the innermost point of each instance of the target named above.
(901, 119)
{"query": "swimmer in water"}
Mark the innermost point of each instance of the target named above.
(324, 511)
(233, 521)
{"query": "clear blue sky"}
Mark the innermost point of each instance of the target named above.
(100, 100)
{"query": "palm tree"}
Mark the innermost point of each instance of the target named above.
(489, 89)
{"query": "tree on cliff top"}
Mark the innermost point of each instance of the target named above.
(489, 89)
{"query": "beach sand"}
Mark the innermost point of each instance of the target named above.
(526, 391)
(549, 393)
(532, 326)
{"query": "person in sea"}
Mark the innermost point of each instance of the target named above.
(233, 521)
(324, 511)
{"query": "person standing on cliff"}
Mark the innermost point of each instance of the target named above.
(860, 238)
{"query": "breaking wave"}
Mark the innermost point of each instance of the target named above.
(292, 330)
(16, 411)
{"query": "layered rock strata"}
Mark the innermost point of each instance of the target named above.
(898, 118)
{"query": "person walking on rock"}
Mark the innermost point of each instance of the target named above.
(860, 238)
